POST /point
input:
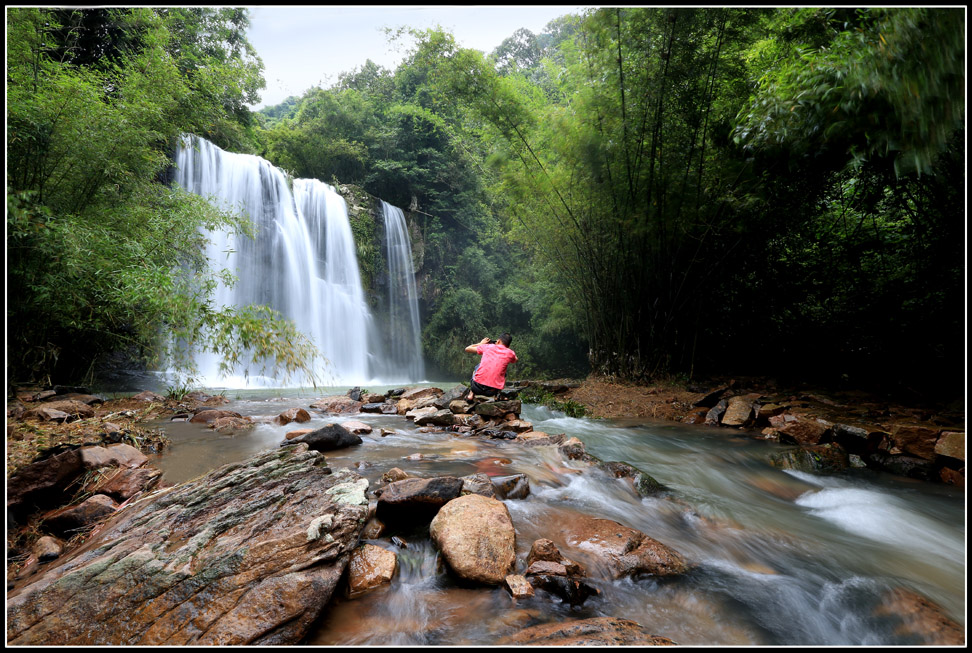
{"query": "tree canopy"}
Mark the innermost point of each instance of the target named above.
(635, 192)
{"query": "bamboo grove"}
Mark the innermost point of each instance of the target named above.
(634, 192)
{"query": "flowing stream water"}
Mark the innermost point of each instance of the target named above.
(779, 558)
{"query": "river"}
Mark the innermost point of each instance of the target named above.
(779, 557)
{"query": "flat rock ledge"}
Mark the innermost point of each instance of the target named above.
(597, 631)
(247, 554)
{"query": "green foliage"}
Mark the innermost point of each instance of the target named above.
(535, 394)
(101, 256)
(888, 84)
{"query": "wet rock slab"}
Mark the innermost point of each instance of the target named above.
(247, 554)
(598, 631)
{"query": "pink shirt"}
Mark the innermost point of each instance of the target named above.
(492, 369)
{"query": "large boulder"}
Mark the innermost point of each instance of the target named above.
(416, 499)
(476, 537)
(326, 438)
(620, 551)
(247, 554)
(596, 631)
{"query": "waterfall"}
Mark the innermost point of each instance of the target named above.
(404, 353)
(302, 263)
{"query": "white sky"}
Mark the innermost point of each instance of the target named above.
(307, 46)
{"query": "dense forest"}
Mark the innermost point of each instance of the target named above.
(640, 193)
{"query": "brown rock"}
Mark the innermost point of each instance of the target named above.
(209, 415)
(476, 537)
(441, 417)
(297, 433)
(247, 554)
(695, 416)
(803, 430)
(459, 406)
(597, 631)
(514, 486)
(43, 481)
(114, 455)
(47, 548)
(478, 484)
(519, 587)
(373, 529)
(498, 408)
(394, 474)
(230, 423)
(87, 513)
(916, 439)
(337, 404)
(544, 550)
(372, 398)
(148, 395)
(298, 415)
(518, 426)
(546, 567)
(413, 394)
(623, 551)
(370, 566)
(121, 484)
(539, 438)
(952, 476)
(357, 427)
(416, 413)
(416, 498)
(739, 411)
(951, 444)
(46, 414)
(87, 399)
(921, 618)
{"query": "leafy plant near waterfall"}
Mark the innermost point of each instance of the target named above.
(101, 256)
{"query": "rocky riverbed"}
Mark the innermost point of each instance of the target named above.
(252, 552)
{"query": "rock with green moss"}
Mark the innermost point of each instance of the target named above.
(247, 554)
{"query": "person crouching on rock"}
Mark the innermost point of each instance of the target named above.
(489, 377)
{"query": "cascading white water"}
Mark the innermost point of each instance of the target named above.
(342, 316)
(302, 263)
(404, 350)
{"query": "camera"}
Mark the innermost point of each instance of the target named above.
(492, 342)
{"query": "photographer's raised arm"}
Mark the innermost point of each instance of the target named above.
(472, 348)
